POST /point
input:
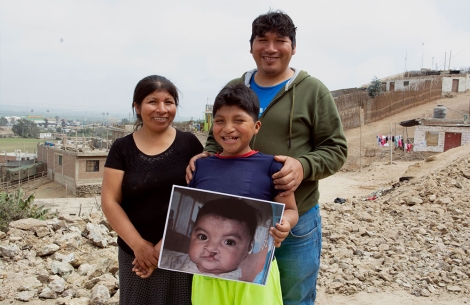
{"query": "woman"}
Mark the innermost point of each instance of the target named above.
(140, 171)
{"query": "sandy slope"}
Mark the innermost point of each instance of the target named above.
(362, 176)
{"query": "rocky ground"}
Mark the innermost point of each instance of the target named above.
(401, 236)
(412, 236)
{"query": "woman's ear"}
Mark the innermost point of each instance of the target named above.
(137, 108)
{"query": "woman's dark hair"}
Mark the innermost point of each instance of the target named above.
(277, 22)
(238, 95)
(149, 85)
(234, 209)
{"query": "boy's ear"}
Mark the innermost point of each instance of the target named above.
(257, 126)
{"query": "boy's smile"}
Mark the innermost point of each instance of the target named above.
(233, 129)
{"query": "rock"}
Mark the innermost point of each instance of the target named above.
(454, 288)
(28, 224)
(9, 250)
(47, 293)
(47, 249)
(24, 296)
(99, 295)
(62, 268)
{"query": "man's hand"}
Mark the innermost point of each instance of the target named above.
(192, 165)
(290, 176)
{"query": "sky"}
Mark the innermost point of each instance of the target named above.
(89, 55)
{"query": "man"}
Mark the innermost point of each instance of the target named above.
(301, 125)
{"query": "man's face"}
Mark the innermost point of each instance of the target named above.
(219, 245)
(272, 53)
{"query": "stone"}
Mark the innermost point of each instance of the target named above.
(28, 224)
(99, 295)
(9, 250)
(47, 249)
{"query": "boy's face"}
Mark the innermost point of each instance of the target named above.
(219, 245)
(233, 129)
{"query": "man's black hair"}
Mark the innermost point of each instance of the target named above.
(273, 21)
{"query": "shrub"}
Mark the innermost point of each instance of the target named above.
(14, 207)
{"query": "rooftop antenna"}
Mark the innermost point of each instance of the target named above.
(406, 56)
(422, 55)
(450, 56)
(445, 59)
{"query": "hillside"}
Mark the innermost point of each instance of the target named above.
(392, 241)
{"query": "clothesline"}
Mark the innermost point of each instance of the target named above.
(397, 141)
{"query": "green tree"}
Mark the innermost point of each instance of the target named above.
(375, 87)
(3, 121)
(26, 129)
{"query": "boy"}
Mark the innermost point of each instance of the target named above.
(239, 170)
(221, 239)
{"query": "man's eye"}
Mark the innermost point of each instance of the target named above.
(230, 242)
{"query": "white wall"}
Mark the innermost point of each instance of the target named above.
(420, 137)
(464, 82)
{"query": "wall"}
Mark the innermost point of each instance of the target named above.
(420, 137)
(354, 105)
(464, 82)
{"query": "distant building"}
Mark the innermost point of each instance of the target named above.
(45, 135)
(452, 81)
(79, 167)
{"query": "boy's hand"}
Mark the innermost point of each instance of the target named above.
(280, 232)
(192, 165)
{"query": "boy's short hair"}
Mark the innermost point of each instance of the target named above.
(231, 208)
(238, 95)
(273, 21)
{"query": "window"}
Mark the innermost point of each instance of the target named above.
(60, 160)
(406, 83)
(92, 165)
(432, 138)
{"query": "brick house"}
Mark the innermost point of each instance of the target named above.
(439, 135)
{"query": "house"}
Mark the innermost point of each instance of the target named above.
(439, 135)
(45, 135)
(80, 165)
(452, 81)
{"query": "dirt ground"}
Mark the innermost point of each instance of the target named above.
(360, 177)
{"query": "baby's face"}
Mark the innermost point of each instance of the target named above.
(219, 245)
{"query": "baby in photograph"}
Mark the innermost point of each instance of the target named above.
(221, 239)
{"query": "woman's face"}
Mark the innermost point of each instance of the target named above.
(158, 110)
(219, 245)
